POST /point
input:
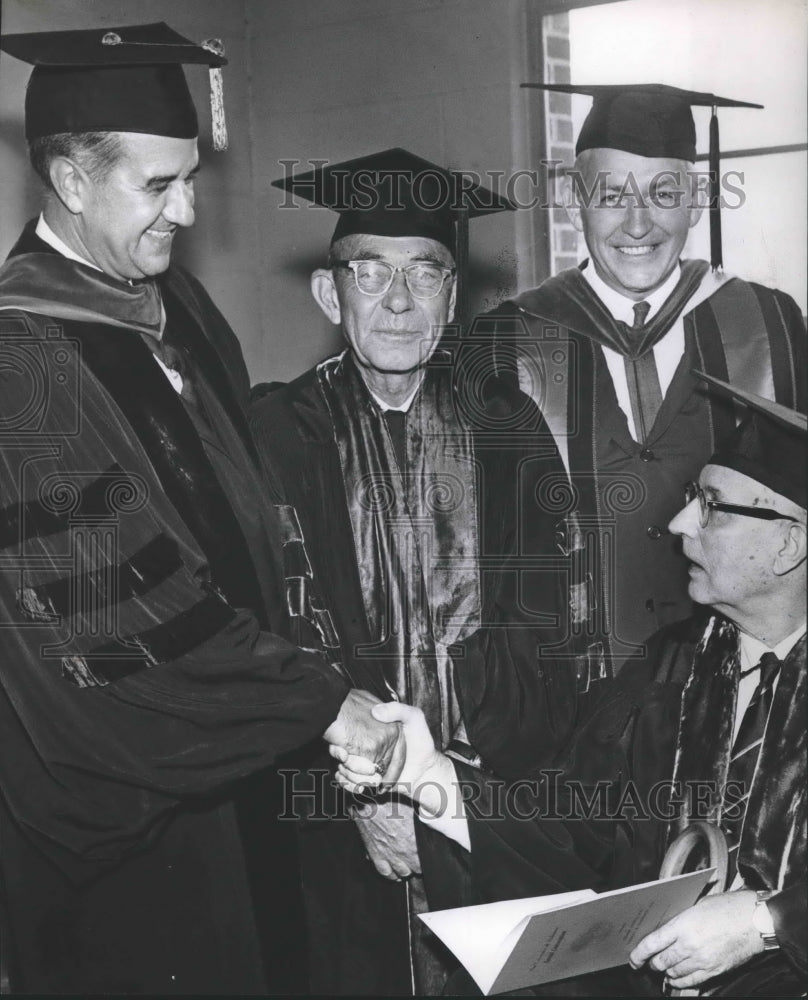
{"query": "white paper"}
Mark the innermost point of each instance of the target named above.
(483, 936)
(523, 942)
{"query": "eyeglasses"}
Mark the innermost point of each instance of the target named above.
(374, 277)
(693, 491)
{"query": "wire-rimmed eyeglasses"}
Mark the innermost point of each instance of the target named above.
(694, 492)
(374, 277)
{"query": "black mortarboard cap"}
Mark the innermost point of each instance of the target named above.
(768, 445)
(648, 119)
(126, 79)
(395, 193)
(652, 120)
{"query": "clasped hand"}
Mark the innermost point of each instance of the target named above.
(360, 733)
(387, 829)
(407, 769)
(383, 745)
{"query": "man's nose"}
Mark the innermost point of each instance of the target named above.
(637, 222)
(179, 206)
(398, 297)
(686, 521)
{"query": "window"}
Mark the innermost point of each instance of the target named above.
(753, 51)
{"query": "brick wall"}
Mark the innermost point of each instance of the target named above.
(560, 139)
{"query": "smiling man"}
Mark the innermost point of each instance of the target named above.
(418, 493)
(122, 220)
(144, 667)
(606, 350)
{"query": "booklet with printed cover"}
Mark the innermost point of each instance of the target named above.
(525, 942)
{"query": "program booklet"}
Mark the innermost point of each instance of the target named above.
(525, 942)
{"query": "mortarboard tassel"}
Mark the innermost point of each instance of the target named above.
(716, 255)
(462, 263)
(218, 123)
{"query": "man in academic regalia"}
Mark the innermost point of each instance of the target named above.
(710, 727)
(606, 350)
(142, 665)
(425, 500)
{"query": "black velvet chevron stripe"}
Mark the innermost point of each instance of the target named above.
(161, 644)
(783, 362)
(19, 522)
(712, 357)
(147, 568)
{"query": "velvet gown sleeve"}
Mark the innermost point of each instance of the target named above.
(517, 689)
(89, 772)
(789, 910)
(89, 766)
(561, 828)
(519, 707)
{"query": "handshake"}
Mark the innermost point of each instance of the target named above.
(386, 744)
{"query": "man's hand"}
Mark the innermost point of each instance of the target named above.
(705, 940)
(387, 829)
(360, 733)
(406, 771)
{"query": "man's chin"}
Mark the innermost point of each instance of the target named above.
(154, 266)
(395, 366)
(641, 284)
(696, 591)
(639, 278)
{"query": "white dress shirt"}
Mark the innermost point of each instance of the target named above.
(751, 651)
(47, 235)
(402, 407)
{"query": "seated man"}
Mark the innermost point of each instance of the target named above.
(419, 484)
(716, 713)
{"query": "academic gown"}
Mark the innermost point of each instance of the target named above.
(517, 700)
(642, 736)
(629, 578)
(143, 671)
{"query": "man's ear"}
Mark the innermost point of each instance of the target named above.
(324, 290)
(793, 551)
(452, 300)
(695, 214)
(70, 183)
(699, 195)
(571, 204)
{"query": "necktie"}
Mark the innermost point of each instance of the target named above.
(643, 381)
(396, 425)
(745, 753)
(174, 358)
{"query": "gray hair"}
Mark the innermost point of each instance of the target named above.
(95, 152)
(348, 245)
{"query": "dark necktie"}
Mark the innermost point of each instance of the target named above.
(396, 425)
(643, 381)
(174, 358)
(745, 753)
